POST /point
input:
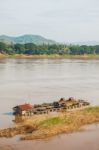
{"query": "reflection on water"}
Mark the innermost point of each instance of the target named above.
(8, 113)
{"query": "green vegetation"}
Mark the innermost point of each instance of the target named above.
(49, 49)
(51, 121)
(92, 109)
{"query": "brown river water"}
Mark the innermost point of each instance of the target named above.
(47, 80)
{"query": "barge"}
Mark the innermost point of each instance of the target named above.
(62, 105)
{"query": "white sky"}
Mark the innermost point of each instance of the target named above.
(61, 20)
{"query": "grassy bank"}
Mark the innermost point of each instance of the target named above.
(2, 56)
(53, 56)
(44, 126)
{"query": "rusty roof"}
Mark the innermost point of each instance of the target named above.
(25, 107)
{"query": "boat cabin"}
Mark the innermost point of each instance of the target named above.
(24, 109)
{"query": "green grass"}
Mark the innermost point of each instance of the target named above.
(92, 109)
(51, 121)
(55, 121)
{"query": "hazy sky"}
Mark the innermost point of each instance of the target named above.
(61, 20)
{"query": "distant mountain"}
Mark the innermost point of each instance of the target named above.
(88, 43)
(36, 39)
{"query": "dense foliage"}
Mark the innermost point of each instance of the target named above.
(61, 49)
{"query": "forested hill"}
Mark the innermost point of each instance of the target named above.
(60, 49)
(36, 39)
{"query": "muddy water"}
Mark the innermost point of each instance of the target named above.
(86, 140)
(37, 81)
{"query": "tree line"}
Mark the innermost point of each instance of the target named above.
(60, 49)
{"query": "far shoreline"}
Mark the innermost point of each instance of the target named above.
(53, 56)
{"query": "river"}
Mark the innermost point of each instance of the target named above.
(45, 80)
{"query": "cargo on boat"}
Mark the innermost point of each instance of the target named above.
(45, 108)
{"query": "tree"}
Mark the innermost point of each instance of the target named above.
(19, 48)
(2, 47)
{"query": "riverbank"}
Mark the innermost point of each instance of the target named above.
(2, 56)
(45, 126)
(53, 56)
